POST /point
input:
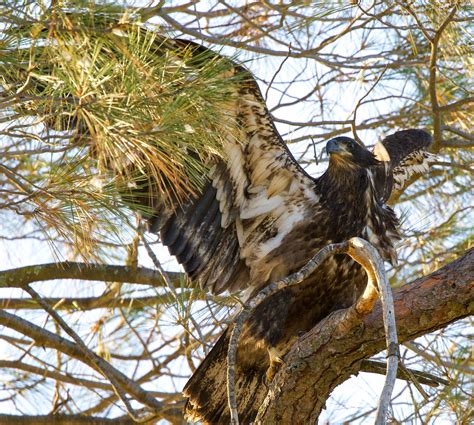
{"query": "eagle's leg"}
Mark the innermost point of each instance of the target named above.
(275, 363)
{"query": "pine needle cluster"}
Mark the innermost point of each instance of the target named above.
(97, 108)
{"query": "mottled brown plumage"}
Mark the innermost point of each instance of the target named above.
(260, 218)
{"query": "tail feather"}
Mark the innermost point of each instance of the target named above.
(206, 390)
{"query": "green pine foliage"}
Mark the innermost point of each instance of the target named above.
(109, 107)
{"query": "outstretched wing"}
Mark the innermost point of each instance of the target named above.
(403, 154)
(253, 199)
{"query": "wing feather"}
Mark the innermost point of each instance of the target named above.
(402, 155)
(248, 205)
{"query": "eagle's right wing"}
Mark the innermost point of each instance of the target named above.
(402, 154)
(255, 197)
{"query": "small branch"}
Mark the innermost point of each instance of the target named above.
(359, 102)
(421, 27)
(412, 378)
(465, 135)
(456, 105)
(374, 366)
(280, 67)
(433, 67)
(447, 164)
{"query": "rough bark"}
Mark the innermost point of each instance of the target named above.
(61, 419)
(22, 276)
(333, 351)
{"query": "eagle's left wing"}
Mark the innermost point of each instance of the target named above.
(403, 154)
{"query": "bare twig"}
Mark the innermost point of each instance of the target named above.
(463, 134)
(359, 103)
(280, 67)
(410, 376)
(433, 66)
(425, 378)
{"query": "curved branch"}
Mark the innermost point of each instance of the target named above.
(367, 256)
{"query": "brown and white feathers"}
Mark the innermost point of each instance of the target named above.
(261, 217)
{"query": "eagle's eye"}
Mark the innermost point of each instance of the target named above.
(351, 144)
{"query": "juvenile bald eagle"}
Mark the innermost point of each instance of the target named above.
(260, 218)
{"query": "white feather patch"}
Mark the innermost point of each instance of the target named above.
(284, 225)
(259, 205)
(381, 152)
(416, 163)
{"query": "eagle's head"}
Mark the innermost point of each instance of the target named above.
(346, 152)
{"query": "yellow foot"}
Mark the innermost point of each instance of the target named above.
(275, 363)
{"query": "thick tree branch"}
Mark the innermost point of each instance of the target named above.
(328, 355)
(61, 420)
(22, 276)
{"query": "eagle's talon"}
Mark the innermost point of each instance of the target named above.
(275, 363)
(271, 372)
